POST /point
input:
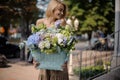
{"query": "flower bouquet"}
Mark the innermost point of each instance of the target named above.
(53, 42)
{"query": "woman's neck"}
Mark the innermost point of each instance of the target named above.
(51, 20)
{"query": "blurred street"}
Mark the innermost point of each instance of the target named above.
(18, 70)
(21, 70)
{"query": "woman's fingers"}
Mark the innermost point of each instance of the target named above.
(64, 66)
(35, 63)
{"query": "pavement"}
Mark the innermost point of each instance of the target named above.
(21, 70)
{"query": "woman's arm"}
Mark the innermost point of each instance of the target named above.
(35, 63)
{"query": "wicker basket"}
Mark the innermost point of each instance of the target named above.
(50, 61)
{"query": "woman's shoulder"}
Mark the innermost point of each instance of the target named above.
(40, 21)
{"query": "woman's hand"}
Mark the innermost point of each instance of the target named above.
(35, 63)
(64, 66)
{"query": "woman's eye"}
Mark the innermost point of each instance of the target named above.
(60, 9)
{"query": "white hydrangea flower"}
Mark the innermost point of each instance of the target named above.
(41, 45)
(60, 38)
(47, 44)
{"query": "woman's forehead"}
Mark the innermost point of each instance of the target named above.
(60, 6)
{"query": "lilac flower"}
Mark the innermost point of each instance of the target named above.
(33, 39)
(57, 23)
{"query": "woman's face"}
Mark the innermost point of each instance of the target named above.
(58, 13)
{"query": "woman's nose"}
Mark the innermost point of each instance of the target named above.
(61, 12)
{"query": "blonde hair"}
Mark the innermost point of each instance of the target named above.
(52, 5)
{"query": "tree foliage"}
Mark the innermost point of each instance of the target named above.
(98, 14)
(22, 12)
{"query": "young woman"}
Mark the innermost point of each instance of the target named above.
(56, 11)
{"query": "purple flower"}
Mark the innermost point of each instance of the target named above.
(57, 23)
(33, 39)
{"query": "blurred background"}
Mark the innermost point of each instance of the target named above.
(91, 21)
(16, 16)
